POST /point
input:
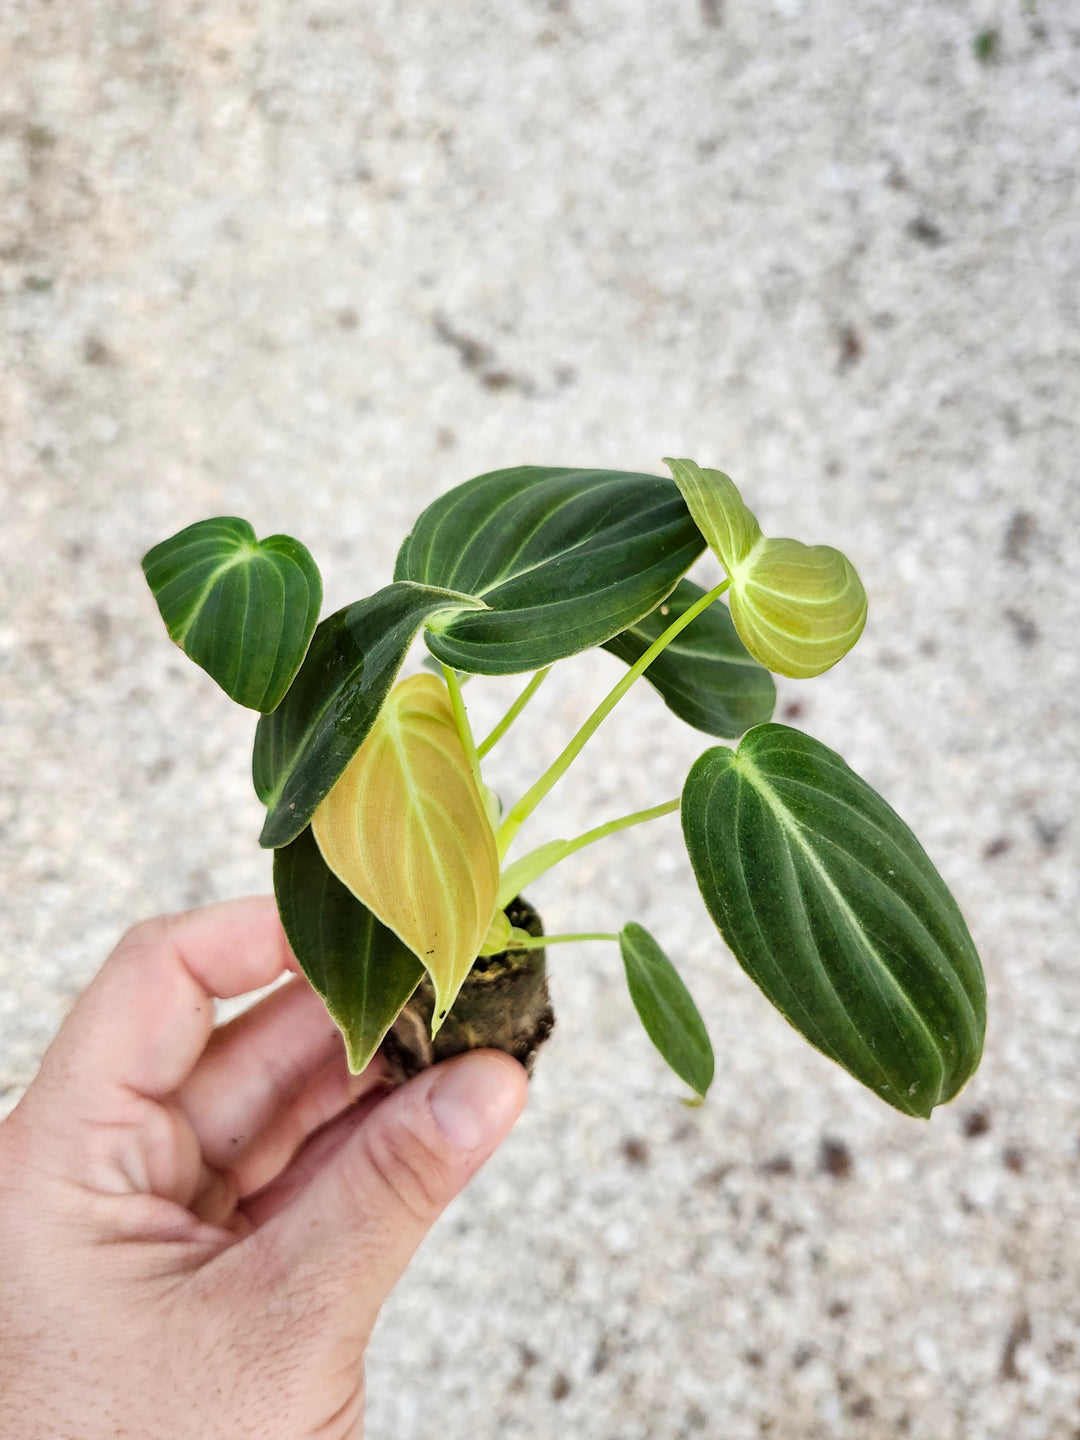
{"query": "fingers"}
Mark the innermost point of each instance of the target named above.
(328, 1092)
(347, 1217)
(256, 1066)
(145, 1019)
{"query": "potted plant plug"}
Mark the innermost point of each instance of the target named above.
(395, 871)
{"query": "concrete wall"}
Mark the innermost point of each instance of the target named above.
(313, 263)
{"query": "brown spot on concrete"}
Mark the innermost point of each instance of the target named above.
(778, 1165)
(1024, 628)
(479, 359)
(1019, 533)
(635, 1151)
(998, 846)
(1019, 1334)
(1012, 1157)
(717, 1175)
(835, 1159)
(1047, 832)
(926, 232)
(976, 1123)
(560, 1387)
(851, 349)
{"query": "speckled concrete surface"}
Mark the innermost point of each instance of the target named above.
(314, 263)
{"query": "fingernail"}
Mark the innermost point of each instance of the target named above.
(476, 1099)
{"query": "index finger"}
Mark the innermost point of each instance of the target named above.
(144, 1020)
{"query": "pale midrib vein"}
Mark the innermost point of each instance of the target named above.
(424, 808)
(508, 572)
(794, 1003)
(471, 504)
(196, 609)
(864, 818)
(691, 652)
(791, 827)
(588, 541)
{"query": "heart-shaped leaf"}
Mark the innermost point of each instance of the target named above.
(354, 658)
(798, 608)
(705, 675)
(563, 559)
(407, 830)
(832, 907)
(243, 609)
(667, 1011)
(363, 972)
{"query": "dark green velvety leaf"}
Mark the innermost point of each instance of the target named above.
(832, 907)
(354, 657)
(564, 559)
(705, 675)
(363, 972)
(243, 609)
(666, 1009)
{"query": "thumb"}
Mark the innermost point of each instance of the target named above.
(353, 1227)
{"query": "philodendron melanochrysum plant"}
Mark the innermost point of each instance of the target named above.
(394, 864)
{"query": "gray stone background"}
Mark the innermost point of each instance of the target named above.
(313, 263)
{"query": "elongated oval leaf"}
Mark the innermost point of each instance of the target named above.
(564, 559)
(354, 658)
(798, 608)
(667, 1011)
(406, 829)
(832, 907)
(243, 609)
(363, 972)
(705, 675)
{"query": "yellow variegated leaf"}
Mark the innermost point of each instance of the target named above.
(406, 829)
(716, 507)
(797, 608)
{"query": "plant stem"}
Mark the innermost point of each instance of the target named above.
(529, 801)
(623, 823)
(539, 861)
(461, 717)
(515, 710)
(538, 942)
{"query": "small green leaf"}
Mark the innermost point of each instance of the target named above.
(705, 675)
(798, 608)
(832, 907)
(354, 658)
(363, 972)
(243, 609)
(666, 1009)
(563, 559)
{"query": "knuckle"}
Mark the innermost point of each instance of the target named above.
(144, 934)
(412, 1165)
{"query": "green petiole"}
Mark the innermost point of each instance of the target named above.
(520, 812)
(521, 940)
(512, 714)
(464, 729)
(537, 862)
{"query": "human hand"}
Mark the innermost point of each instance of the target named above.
(198, 1226)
